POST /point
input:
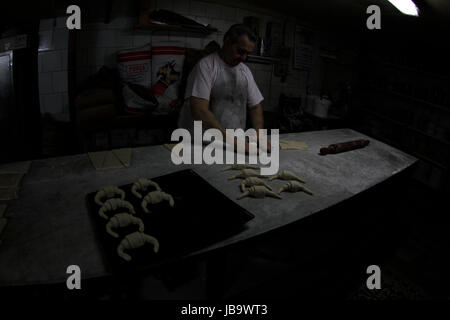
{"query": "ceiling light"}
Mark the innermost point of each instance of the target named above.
(406, 6)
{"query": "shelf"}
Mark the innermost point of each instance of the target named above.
(411, 98)
(402, 95)
(261, 59)
(415, 70)
(170, 27)
(379, 115)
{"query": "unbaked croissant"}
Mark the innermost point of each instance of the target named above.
(286, 175)
(258, 192)
(294, 186)
(246, 173)
(135, 240)
(143, 184)
(108, 192)
(253, 181)
(155, 197)
(121, 220)
(113, 204)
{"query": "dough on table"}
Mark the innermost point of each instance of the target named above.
(8, 193)
(123, 155)
(170, 146)
(293, 145)
(15, 167)
(104, 160)
(2, 210)
(8, 180)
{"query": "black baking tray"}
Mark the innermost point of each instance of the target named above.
(201, 216)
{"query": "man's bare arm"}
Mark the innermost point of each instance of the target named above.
(257, 120)
(256, 117)
(200, 112)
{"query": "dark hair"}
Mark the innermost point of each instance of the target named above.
(237, 30)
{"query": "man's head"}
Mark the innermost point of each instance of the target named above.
(238, 42)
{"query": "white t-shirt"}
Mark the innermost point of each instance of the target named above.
(229, 90)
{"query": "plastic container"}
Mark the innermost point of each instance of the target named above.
(321, 107)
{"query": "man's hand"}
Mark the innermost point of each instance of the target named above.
(265, 147)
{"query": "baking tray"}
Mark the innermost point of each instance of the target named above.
(201, 216)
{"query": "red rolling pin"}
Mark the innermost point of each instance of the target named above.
(344, 146)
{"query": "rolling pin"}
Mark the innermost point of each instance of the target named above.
(344, 146)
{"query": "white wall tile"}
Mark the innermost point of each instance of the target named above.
(94, 26)
(140, 40)
(213, 10)
(241, 13)
(45, 40)
(122, 23)
(197, 8)
(253, 67)
(41, 104)
(203, 20)
(59, 81)
(51, 61)
(40, 62)
(123, 39)
(66, 108)
(226, 24)
(178, 36)
(195, 43)
(110, 57)
(64, 59)
(46, 24)
(96, 57)
(159, 37)
(181, 6)
(61, 117)
(53, 103)
(61, 22)
(61, 38)
(228, 13)
(165, 4)
(45, 83)
(106, 38)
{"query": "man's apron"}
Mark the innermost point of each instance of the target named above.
(228, 100)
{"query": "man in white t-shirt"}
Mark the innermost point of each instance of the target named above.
(221, 90)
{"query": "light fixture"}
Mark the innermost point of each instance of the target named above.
(406, 7)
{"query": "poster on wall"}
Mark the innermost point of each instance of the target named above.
(303, 48)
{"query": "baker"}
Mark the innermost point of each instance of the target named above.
(220, 89)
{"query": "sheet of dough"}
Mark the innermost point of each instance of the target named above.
(111, 161)
(15, 167)
(2, 210)
(169, 146)
(123, 155)
(293, 145)
(104, 160)
(8, 193)
(8, 180)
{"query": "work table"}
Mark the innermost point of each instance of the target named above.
(49, 227)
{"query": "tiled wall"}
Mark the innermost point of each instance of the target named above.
(52, 68)
(98, 44)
